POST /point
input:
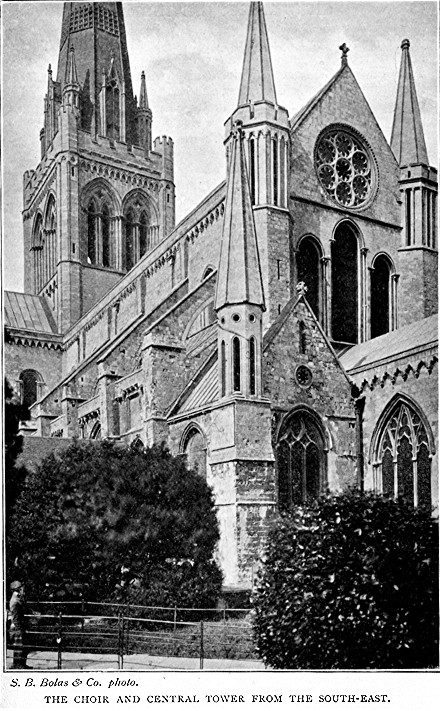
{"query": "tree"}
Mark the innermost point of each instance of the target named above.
(97, 515)
(14, 475)
(350, 583)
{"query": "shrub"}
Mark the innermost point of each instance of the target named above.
(104, 522)
(349, 583)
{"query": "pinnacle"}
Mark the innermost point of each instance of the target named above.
(257, 82)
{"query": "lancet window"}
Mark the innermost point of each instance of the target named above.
(195, 450)
(381, 296)
(100, 247)
(344, 270)
(308, 267)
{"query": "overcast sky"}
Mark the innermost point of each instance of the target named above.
(192, 54)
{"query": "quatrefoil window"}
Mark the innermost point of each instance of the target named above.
(345, 167)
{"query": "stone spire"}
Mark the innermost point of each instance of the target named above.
(96, 30)
(407, 138)
(143, 97)
(239, 276)
(257, 83)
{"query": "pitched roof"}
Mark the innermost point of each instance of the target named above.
(407, 138)
(202, 389)
(239, 275)
(391, 346)
(298, 118)
(27, 312)
(257, 83)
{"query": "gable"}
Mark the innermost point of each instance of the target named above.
(342, 103)
(330, 390)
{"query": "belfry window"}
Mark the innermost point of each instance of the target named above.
(112, 110)
(129, 241)
(380, 296)
(300, 460)
(309, 271)
(143, 234)
(404, 468)
(92, 241)
(105, 226)
(344, 258)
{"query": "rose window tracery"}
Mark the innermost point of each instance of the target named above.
(344, 167)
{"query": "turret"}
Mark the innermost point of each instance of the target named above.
(239, 300)
(265, 135)
(144, 118)
(418, 190)
(71, 87)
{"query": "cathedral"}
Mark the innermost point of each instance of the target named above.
(282, 337)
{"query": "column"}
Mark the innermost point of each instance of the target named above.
(363, 331)
(394, 303)
(324, 295)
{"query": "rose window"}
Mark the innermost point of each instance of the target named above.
(344, 168)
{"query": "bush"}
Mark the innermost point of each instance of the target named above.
(104, 522)
(349, 583)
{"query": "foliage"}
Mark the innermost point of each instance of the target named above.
(350, 583)
(13, 445)
(99, 521)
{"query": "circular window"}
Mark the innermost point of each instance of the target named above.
(235, 317)
(345, 167)
(304, 376)
(222, 320)
(252, 318)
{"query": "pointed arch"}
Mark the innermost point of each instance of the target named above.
(100, 205)
(37, 246)
(345, 280)
(308, 269)
(301, 456)
(193, 445)
(401, 450)
(381, 295)
(31, 383)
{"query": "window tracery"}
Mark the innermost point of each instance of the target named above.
(300, 460)
(404, 458)
(345, 167)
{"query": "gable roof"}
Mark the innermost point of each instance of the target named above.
(299, 117)
(27, 312)
(401, 343)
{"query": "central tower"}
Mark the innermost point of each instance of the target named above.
(103, 193)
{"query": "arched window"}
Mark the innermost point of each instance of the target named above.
(252, 170)
(309, 271)
(129, 241)
(236, 368)
(404, 462)
(380, 296)
(300, 460)
(143, 234)
(302, 337)
(344, 258)
(29, 385)
(92, 232)
(275, 171)
(112, 109)
(50, 230)
(105, 227)
(195, 450)
(96, 431)
(223, 367)
(252, 381)
(37, 249)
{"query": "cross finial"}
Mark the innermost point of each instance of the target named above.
(301, 288)
(345, 50)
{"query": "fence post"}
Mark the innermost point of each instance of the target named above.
(128, 626)
(82, 615)
(202, 651)
(60, 639)
(175, 619)
(120, 640)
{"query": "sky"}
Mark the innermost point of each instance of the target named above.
(192, 54)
